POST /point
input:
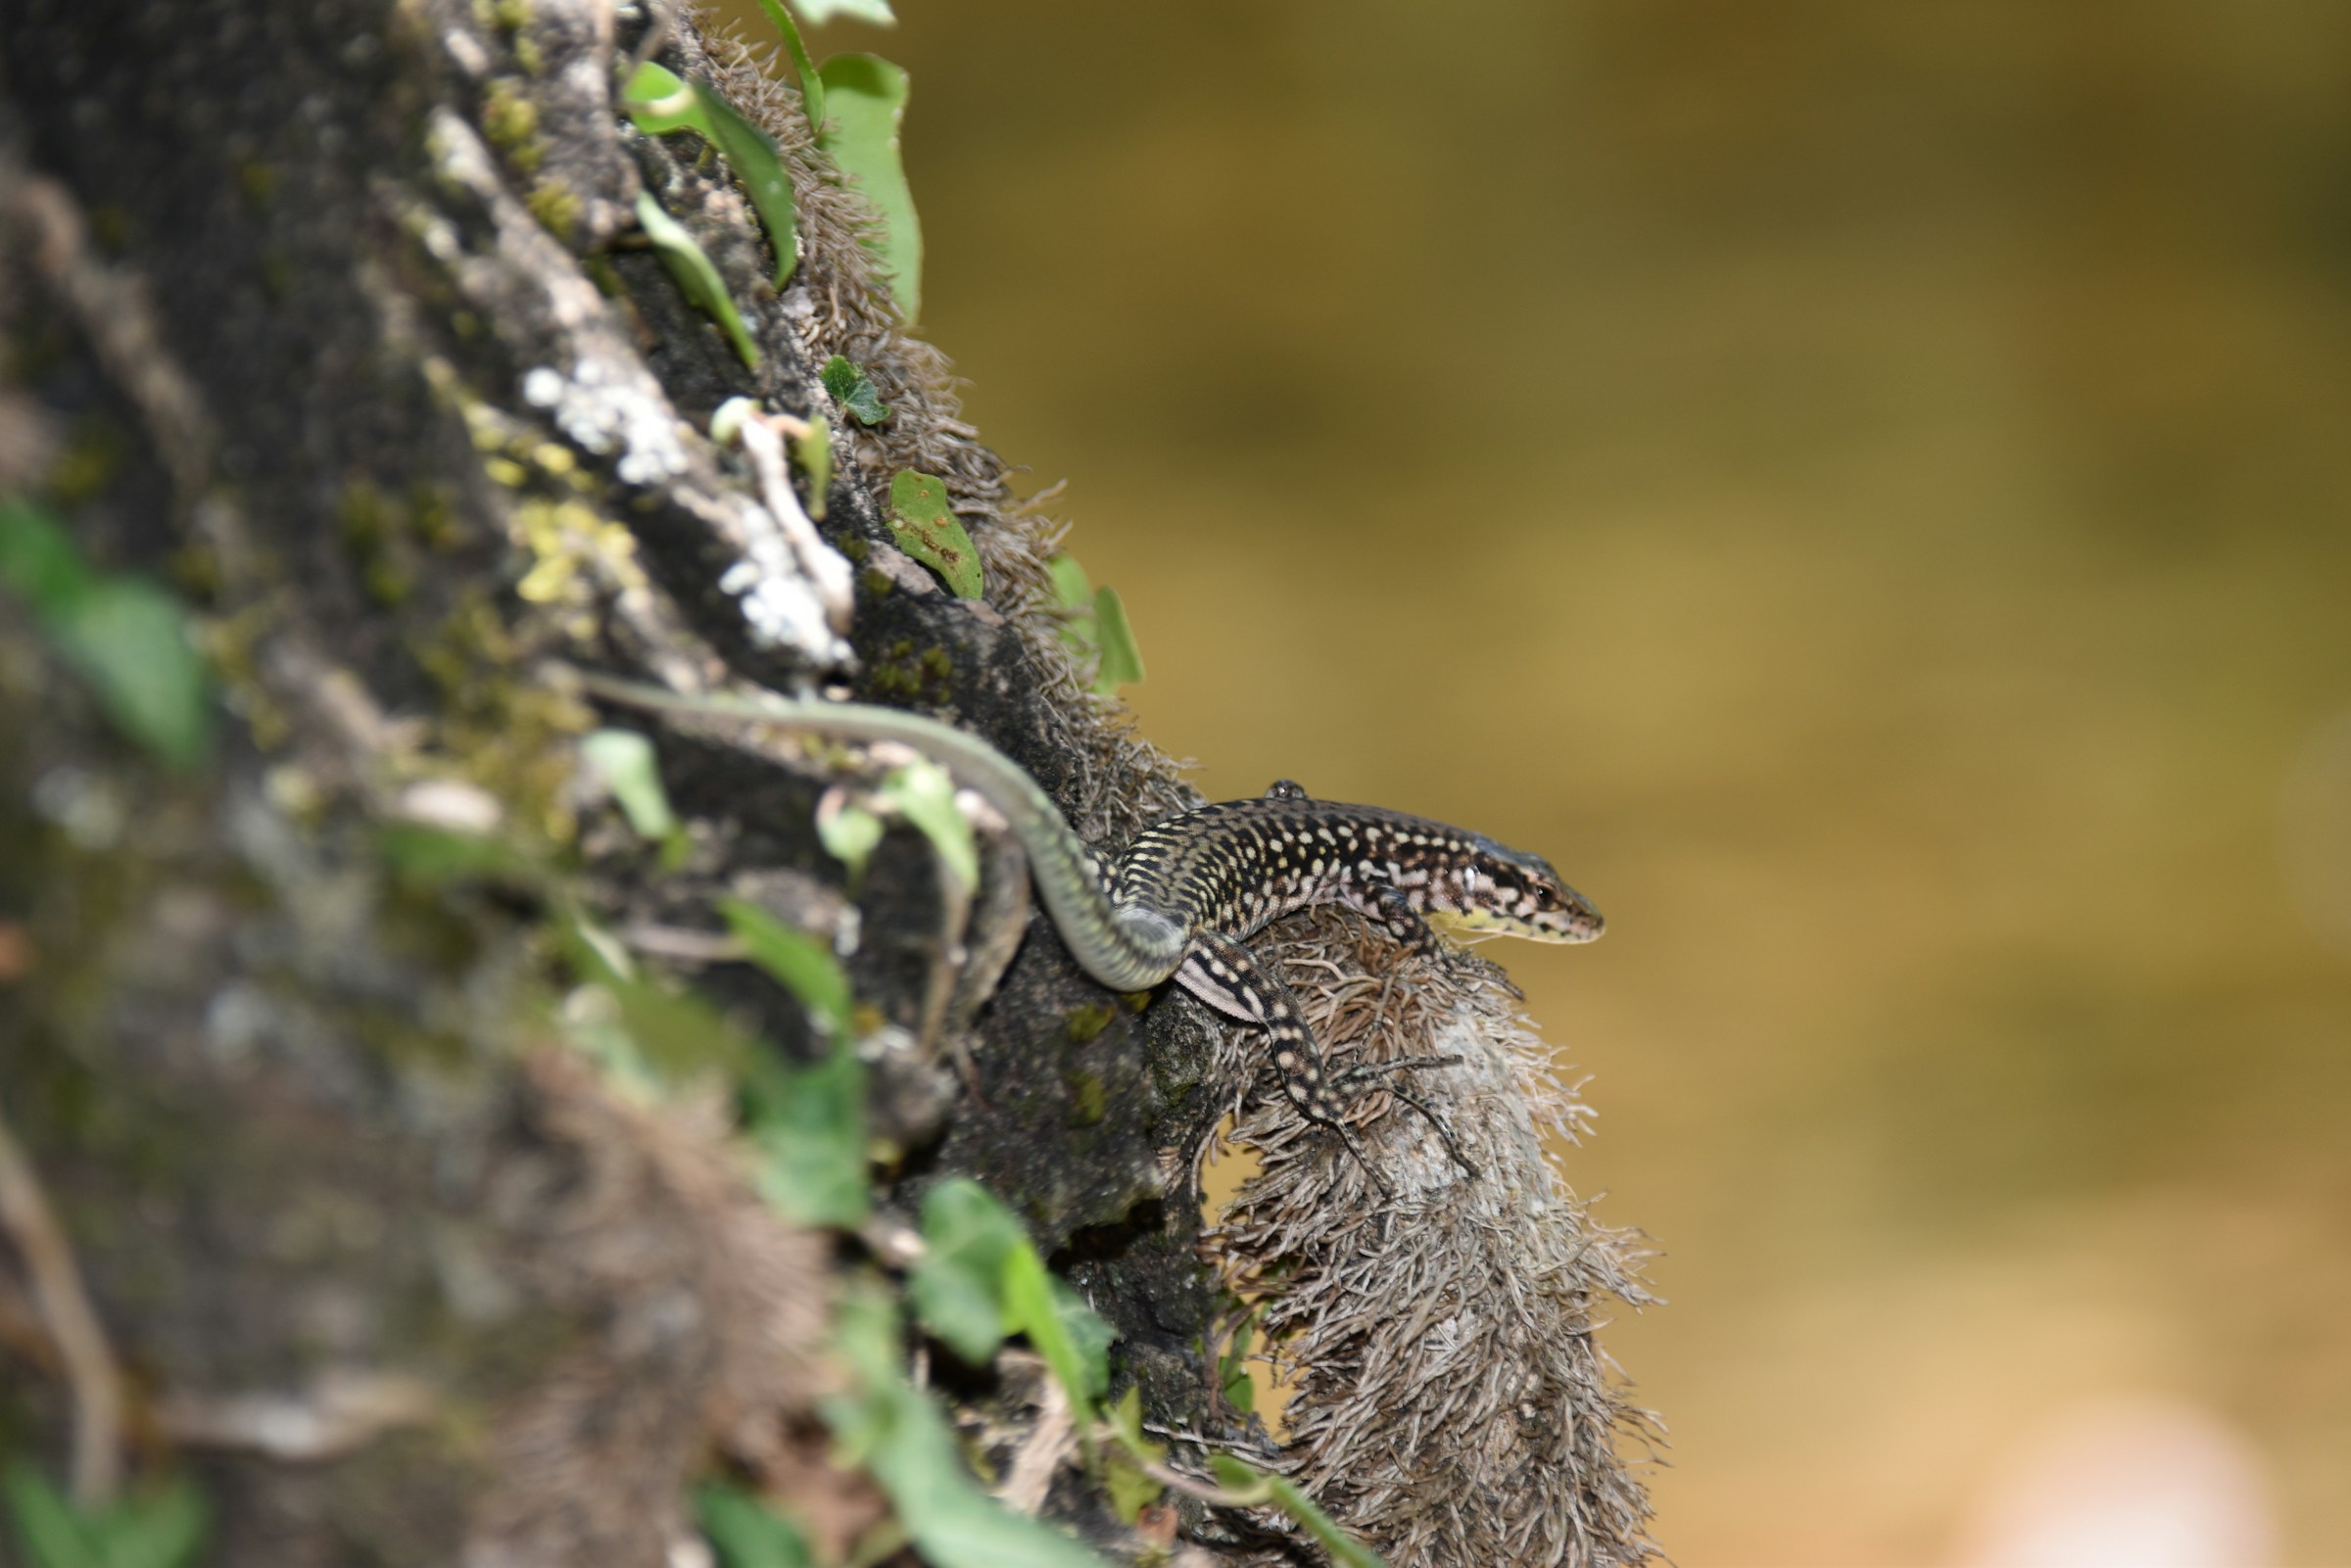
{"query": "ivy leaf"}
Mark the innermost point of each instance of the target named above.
(659, 102)
(957, 1289)
(696, 278)
(746, 1532)
(927, 529)
(854, 390)
(866, 99)
(900, 1437)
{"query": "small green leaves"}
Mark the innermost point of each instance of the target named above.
(924, 795)
(126, 636)
(900, 1438)
(1098, 625)
(158, 1529)
(981, 1279)
(626, 762)
(854, 390)
(696, 278)
(849, 833)
(795, 961)
(1256, 1488)
(866, 98)
(927, 529)
(660, 102)
(746, 1532)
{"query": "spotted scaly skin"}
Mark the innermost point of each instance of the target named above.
(1225, 871)
(1181, 898)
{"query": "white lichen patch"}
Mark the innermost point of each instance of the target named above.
(780, 606)
(602, 410)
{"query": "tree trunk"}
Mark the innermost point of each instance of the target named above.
(338, 318)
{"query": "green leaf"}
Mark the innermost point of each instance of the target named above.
(1130, 1488)
(130, 639)
(854, 390)
(158, 1528)
(849, 836)
(957, 1288)
(51, 1534)
(866, 98)
(679, 1037)
(696, 277)
(1122, 661)
(925, 794)
(820, 12)
(808, 1124)
(1099, 625)
(1087, 1331)
(744, 1533)
(659, 102)
(1232, 1368)
(1235, 1476)
(1032, 1307)
(795, 960)
(625, 760)
(1071, 586)
(926, 528)
(127, 638)
(434, 857)
(38, 559)
(900, 1437)
(812, 85)
(814, 454)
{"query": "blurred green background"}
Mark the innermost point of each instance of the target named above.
(1864, 488)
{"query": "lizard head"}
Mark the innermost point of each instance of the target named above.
(1515, 894)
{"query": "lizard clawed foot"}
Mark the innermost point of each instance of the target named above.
(1346, 1084)
(1356, 1079)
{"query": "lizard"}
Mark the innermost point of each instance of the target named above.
(1181, 900)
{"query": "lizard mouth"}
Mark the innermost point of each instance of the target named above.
(1580, 924)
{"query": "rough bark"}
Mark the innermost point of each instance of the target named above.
(333, 315)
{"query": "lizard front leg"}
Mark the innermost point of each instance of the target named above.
(1227, 976)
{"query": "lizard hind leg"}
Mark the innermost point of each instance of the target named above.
(1226, 976)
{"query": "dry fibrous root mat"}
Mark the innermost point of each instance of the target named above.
(337, 316)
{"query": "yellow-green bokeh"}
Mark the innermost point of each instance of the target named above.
(1866, 489)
